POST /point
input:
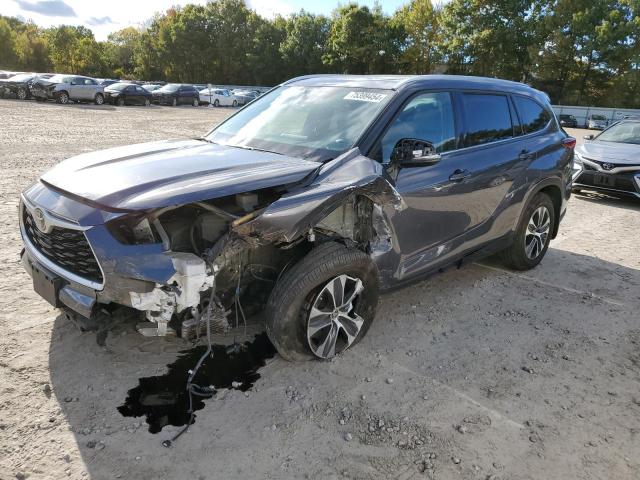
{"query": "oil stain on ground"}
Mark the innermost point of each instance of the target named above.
(164, 399)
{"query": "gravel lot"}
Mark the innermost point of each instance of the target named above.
(476, 373)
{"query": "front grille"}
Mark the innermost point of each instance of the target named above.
(65, 247)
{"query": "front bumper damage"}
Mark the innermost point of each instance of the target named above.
(162, 284)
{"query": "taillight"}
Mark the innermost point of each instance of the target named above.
(569, 143)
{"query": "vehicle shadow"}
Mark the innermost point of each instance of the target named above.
(90, 106)
(611, 200)
(90, 382)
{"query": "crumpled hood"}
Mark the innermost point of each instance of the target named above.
(618, 153)
(174, 172)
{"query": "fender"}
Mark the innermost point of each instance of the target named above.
(554, 181)
(295, 213)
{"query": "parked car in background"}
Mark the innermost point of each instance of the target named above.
(332, 187)
(65, 88)
(127, 94)
(245, 96)
(105, 82)
(176, 94)
(18, 86)
(149, 87)
(597, 122)
(218, 97)
(4, 74)
(568, 121)
(610, 161)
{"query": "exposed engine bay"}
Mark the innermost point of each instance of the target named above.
(208, 252)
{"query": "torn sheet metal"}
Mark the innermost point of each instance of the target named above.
(293, 214)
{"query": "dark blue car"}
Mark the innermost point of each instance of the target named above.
(304, 205)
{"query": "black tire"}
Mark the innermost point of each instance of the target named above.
(174, 102)
(120, 102)
(147, 102)
(196, 102)
(216, 103)
(235, 103)
(22, 94)
(288, 306)
(99, 99)
(62, 98)
(515, 256)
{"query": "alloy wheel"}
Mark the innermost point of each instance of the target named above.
(22, 94)
(537, 232)
(64, 98)
(332, 324)
(146, 102)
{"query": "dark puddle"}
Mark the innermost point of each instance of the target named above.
(164, 399)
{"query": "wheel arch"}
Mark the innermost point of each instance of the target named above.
(552, 187)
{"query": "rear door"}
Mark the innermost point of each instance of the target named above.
(76, 88)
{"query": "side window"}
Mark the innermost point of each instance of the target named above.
(89, 81)
(532, 116)
(487, 118)
(429, 117)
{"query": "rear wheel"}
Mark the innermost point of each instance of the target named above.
(120, 102)
(99, 100)
(62, 98)
(324, 304)
(174, 102)
(216, 103)
(532, 235)
(196, 103)
(235, 103)
(147, 102)
(22, 94)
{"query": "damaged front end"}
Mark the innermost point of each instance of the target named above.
(166, 265)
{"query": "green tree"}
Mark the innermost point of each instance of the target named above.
(305, 43)
(420, 21)
(8, 57)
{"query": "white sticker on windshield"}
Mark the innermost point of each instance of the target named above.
(366, 96)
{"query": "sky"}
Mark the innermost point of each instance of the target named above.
(104, 17)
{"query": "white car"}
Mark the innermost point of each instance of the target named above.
(218, 97)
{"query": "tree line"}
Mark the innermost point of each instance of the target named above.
(581, 52)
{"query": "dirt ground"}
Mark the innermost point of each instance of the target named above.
(478, 373)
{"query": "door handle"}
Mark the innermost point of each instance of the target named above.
(459, 175)
(525, 155)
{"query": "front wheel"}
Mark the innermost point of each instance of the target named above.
(120, 102)
(216, 103)
(532, 235)
(174, 102)
(324, 304)
(235, 103)
(147, 103)
(22, 94)
(196, 103)
(63, 98)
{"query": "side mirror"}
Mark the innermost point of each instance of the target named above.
(588, 137)
(412, 152)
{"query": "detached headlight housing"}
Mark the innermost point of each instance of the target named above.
(134, 230)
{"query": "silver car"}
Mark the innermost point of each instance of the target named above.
(64, 88)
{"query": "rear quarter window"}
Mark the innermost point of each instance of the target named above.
(533, 117)
(487, 118)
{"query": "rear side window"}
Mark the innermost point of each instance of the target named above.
(487, 118)
(532, 116)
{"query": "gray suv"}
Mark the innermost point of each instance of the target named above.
(302, 206)
(65, 88)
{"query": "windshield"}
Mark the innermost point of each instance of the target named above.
(172, 87)
(118, 86)
(23, 77)
(309, 122)
(625, 132)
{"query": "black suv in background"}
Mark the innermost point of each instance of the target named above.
(302, 205)
(568, 121)
(176, 94)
